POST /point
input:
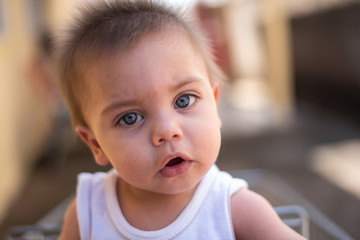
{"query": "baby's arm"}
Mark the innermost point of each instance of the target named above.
(254, 218)
(71, 226)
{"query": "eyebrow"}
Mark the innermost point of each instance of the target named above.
(118, 104)
(185, 80)
(179, 82)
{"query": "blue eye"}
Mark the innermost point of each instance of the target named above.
(130, 119)
(184, 101)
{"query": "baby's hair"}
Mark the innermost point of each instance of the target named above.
(106, 26)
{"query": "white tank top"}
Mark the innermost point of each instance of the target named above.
(207, 216)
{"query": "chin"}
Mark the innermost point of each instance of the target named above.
(189, 185)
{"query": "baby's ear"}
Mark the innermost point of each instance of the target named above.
(216, 91)
(88, 137)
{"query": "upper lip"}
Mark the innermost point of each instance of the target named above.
(171, 156)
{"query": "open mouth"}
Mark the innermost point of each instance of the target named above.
(176, 166)
(174, 162)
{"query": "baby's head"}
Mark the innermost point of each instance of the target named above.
(106, 27)
(142, 88)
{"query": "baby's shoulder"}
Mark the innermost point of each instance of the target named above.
(70, 228)
(247, 205)
(254, 218)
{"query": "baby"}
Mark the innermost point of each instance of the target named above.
(142, 89)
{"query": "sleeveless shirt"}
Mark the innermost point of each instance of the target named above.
(207, 215)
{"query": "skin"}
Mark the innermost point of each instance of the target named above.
(146, 84)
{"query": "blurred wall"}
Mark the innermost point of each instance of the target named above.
(27, 116)
(326, 54)
(258, 42)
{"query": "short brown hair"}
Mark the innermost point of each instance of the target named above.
(107, 25)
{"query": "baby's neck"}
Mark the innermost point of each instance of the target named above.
(150, 211)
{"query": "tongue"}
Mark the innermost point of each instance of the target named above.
(174, 162)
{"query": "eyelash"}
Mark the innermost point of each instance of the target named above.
(192, 100)
(139, 117)
(121, 120)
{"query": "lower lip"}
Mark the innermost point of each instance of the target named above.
(176, 170)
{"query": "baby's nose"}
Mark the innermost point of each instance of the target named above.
(165, 129)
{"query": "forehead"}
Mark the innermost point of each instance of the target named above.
(152, 60)
(175, 47)
(170, 36)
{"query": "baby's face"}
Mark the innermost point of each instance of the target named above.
(153, 114)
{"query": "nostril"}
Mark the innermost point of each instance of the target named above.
(158, 141)
(165, 132)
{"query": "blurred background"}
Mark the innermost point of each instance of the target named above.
(291, 104)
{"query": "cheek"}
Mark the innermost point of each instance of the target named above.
(213, 141)
(124, 153)
(213, 127)
(207, 135)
